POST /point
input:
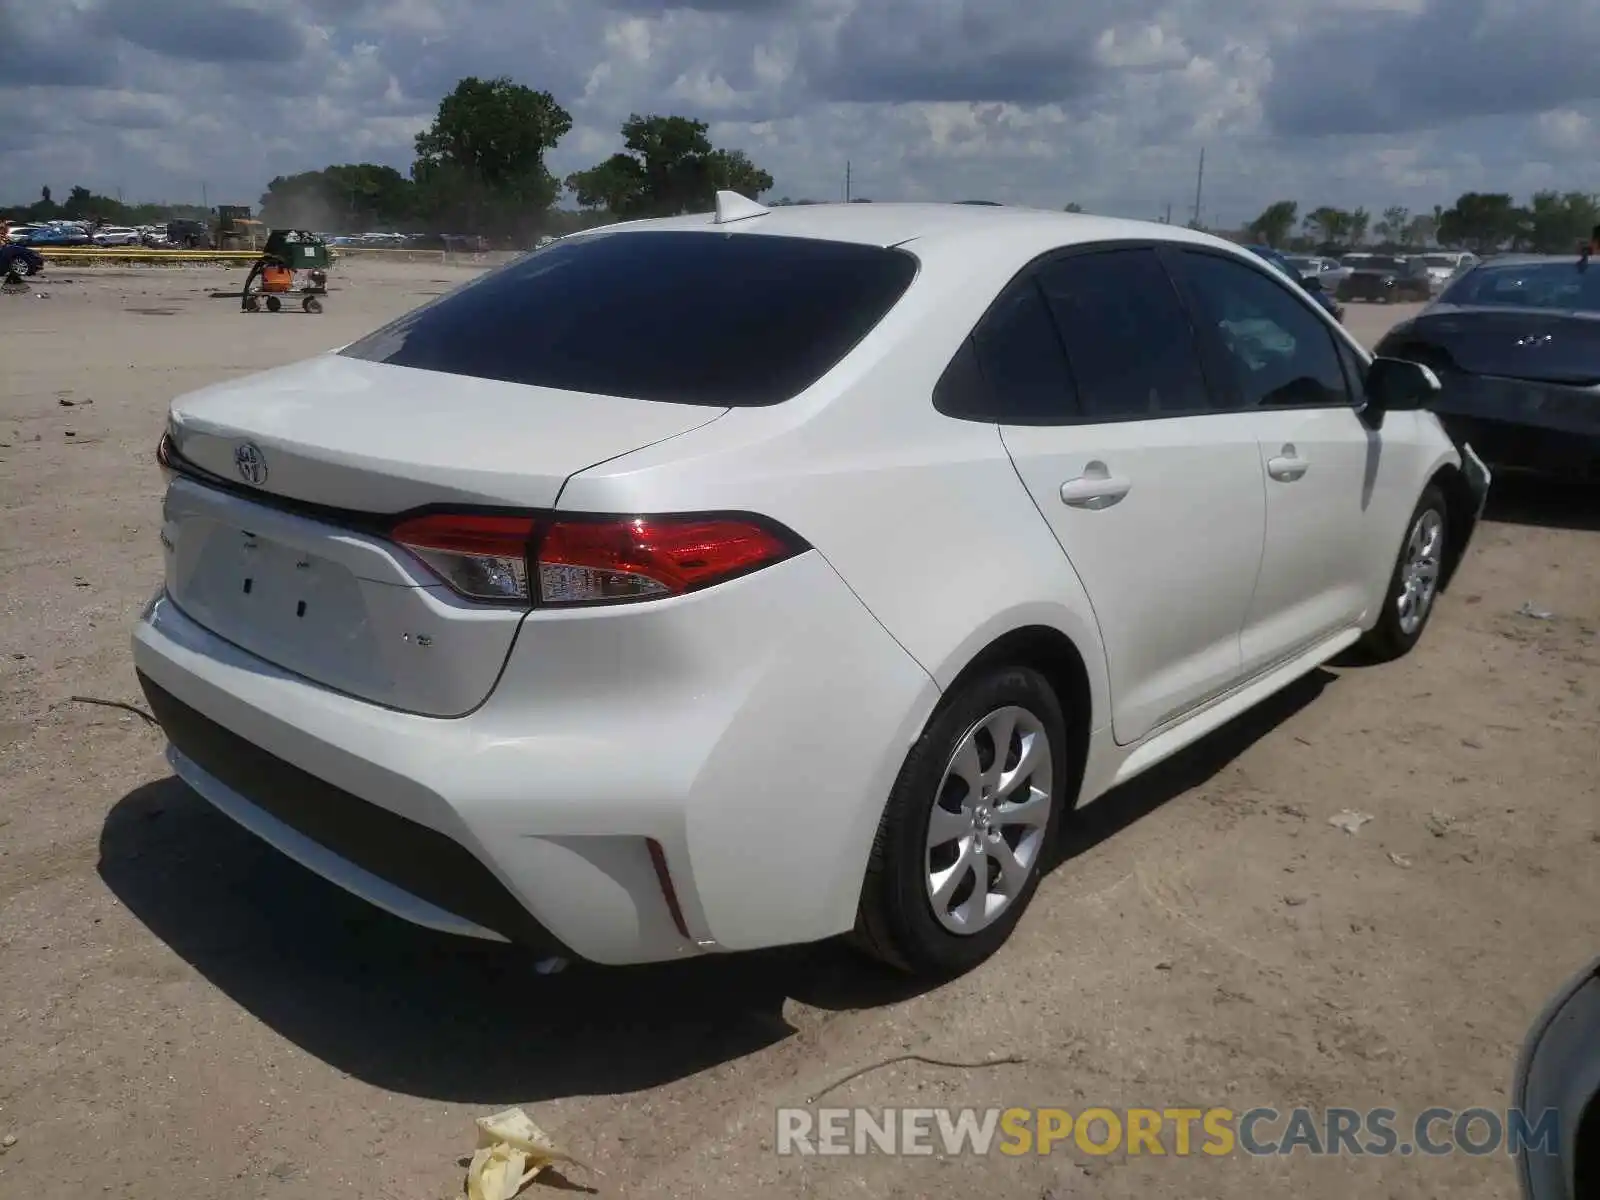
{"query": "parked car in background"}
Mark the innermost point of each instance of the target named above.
(57, 233)
(1515, 342)
(588, 606)
(1443, 266)
(1383, 279)
(115, 235)
(1330, 270)
(1311, 283)
(189, 234)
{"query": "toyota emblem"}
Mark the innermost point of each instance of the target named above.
(251, 463)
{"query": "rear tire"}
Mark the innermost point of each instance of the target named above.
(1414, 586)
(967, 814)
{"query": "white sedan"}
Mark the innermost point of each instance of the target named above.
(116, 235)
(742, 579)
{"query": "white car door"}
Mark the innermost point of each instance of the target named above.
(1320, 459)
(1155, 497)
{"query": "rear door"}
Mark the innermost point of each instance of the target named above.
(1280, 366)
(1155, 496)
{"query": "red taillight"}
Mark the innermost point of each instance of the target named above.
(556, 561)
(164, 452)
(581, 562)
(481, 557)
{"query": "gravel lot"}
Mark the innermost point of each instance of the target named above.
(183, 1012)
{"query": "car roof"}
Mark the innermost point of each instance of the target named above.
(1018, 231)
(1527, 260)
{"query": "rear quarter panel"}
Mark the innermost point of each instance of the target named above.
(922, 515)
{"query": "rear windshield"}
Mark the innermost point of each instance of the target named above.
(1551, 285)
(724, 319)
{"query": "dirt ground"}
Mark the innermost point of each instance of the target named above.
(184, 1012)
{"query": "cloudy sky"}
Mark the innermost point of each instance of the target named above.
(1102, 102)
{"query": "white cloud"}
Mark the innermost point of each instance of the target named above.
(1104, 102)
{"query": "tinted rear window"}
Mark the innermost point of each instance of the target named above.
(724, 319)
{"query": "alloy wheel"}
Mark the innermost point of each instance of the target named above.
(987, 828)
(1419, 571)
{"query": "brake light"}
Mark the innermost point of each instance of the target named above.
(587, 560)
(481, 557)
(164, 450)
(641, 558)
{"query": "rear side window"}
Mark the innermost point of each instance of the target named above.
(1129, 340)
(1022, 361)
(723, 319)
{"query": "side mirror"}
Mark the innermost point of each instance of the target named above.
(1554, 1125)
(1312, 283)
(1398, 385)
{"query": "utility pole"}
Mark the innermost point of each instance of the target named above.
(1199, 184)
(1167, 220)
(205, 196)
(847, 181)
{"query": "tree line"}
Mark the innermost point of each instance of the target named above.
(1483, 222)
(480, 168)
(83, 205)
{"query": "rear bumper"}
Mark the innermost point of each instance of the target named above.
(1520, 446)
(753, 731)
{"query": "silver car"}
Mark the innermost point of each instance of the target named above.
(1330, 270)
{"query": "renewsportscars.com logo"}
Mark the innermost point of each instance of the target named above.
(1174, 1132)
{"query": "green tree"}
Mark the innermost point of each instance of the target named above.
(1329, 225)
(1276, 222)
(668, 166)
(1481, 221)
(1074, 207)
(482, 159)
(84, 205)
(350, 197)
(1558, 223)
(616, 184)
(732, 170)
(1394, 227)
(1360, 224)
(44, 209)
(1422, 230)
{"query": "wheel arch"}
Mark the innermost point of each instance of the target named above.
(1061, 661)
(1461, 513)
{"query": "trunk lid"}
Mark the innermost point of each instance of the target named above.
(328, 596)
(370, 437)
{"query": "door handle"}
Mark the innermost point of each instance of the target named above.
(1095, 489)
(1287, 466)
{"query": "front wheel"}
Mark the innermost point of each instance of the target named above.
(1414, 586)
(964, 836)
